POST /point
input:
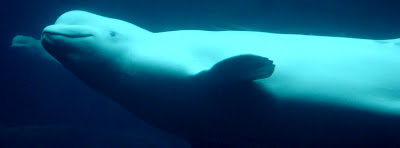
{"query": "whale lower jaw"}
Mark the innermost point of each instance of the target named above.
(69, 31)
(65, 35)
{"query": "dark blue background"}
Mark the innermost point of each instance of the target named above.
(42, 104)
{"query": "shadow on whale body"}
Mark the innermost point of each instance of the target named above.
(219, 89)
(204, 119)
(248, 116)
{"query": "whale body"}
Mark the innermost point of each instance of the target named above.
(237, 88)
(32, 46)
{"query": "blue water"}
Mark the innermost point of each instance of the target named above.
(44, 105)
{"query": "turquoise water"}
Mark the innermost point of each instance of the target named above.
(44, 105)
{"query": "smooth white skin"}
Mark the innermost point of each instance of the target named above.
(356, 72)
(143, 71)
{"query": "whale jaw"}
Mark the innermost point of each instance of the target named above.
(69, 31)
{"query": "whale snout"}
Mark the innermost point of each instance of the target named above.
(61, 40)
(69, 31)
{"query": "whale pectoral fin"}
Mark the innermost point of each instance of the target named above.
(242, 68)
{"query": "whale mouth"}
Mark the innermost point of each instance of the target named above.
(67, 31)
(47, 33)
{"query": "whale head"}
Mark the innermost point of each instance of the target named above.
(82, 39)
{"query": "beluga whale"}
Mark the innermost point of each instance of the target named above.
(238, 88)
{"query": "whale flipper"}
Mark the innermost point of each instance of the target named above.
(242, 68)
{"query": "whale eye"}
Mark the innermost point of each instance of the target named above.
(113, 34)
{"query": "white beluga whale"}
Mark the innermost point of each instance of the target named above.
(237, 88)
(32, 46)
